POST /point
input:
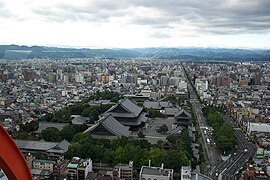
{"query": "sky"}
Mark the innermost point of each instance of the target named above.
(136, 23)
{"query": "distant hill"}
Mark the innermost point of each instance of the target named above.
(25, 52)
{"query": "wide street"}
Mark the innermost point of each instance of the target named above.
(230, 167)
(212, 153)
(246, 150)
(217, 168)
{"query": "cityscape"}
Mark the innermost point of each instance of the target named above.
(138, 118)
(135, 90)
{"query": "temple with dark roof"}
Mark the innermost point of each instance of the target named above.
(128, 113)
(108, 128)
(183, 118)
(53, 150)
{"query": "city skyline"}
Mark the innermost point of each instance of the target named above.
(136, 24)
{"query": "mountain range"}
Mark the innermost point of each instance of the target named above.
(17, 52)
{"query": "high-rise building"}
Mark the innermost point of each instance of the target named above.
(79, 78)
(105, 78)
(163, 81)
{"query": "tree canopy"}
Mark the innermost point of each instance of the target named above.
(123, 150)
(152, 113)
(83, 108)
(163, 129)
(51, 134)
(223, 132)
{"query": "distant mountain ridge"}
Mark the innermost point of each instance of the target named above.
(25, 52)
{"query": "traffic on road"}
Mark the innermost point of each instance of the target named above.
(218, 168)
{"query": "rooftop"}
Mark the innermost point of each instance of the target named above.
(72, 166)
(44, 125)
(61, 147)
(156, 171)
(112, 126)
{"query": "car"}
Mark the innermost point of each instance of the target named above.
(216, 174)
(245, 150)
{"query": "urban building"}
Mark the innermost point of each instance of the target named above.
(152, 173)
(78, 169)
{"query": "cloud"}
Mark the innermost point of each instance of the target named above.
(159, 35)
(151, 19)
(5, 12)
(208, 16)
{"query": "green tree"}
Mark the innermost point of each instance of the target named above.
(20, 135)
(173, 160)
(78, 108)
(142, 143)
(120, 155)
(93, 115)
(223, 132)
(119, 142)
(163, 129)
(136, 154)
(201, 153)
(87, 111)
(184, 144)
(82, 138)
(141, 135)
(63, 115)
(73, 150)
(157, 156)
(29, 127)
(152, 113)
(172, 138)
(108, 156)
(115, 99)
(51, 134)
(183, 157)
(68, 132)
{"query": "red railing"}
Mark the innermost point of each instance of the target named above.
(12, 161)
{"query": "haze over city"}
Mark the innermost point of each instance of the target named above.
(136, 23)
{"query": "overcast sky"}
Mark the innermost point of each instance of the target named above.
(136, 23)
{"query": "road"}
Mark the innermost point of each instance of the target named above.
(245, 150)
(212, 153)
(241, 157)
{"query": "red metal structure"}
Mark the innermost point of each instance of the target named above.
(11, 158)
